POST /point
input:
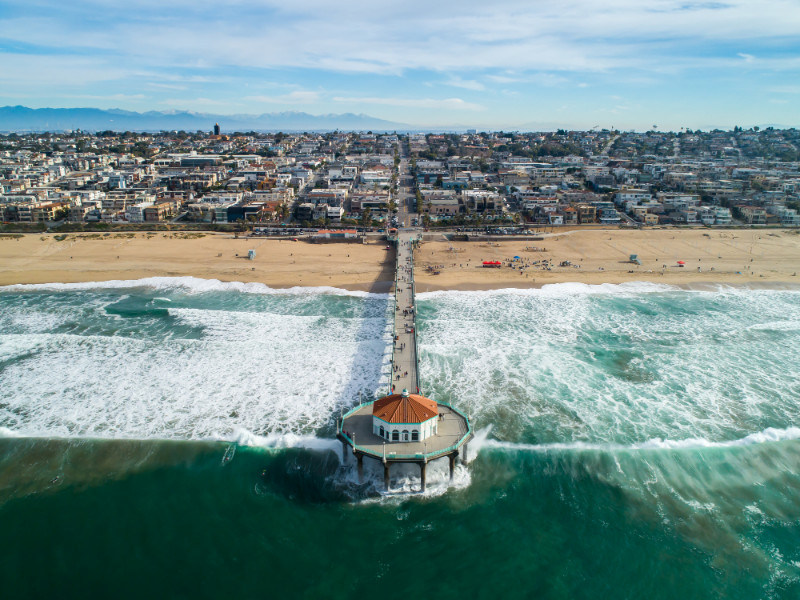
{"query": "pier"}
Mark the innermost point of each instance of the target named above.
(405, 374)
(404, 426)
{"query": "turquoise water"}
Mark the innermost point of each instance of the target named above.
(174, 438)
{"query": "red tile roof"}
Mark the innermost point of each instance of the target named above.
(397, 409)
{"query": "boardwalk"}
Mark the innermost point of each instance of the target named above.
(404, 355)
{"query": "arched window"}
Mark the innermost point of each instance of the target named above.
(382, 432)
(405, 435)
(415, 436)
(395, 436)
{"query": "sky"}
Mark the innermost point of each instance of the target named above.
(499, 64)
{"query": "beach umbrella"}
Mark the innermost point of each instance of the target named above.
(680, 262)
(516, 258)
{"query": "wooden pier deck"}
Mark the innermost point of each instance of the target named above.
(404, 356)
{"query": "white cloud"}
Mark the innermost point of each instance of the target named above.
(166, 86)
(786, 89)
(467, 84)
(65, 72)
(199, 103)
(115, 97)
(295, 97)
(384, 54)
(445, 104)
(448, 36)
(540, 78)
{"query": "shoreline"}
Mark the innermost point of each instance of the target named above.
(704, 286)
(695, 286)
(695, 259)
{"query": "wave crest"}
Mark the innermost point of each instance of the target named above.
(769, 435)
(190, 284)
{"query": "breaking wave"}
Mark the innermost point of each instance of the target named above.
(187, 284)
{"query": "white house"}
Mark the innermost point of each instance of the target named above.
(405, 417)
(134, 213)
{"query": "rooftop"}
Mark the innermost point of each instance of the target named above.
(405, 408)
(454, 431)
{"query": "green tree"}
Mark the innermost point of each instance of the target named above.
(366, 217)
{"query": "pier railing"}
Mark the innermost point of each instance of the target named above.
(416, 346)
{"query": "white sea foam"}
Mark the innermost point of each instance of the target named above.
(557, 290)
(405, 481)
(611, 369)
(288, 440)
(264, 372)
(188, 284)
(769, 435)
(479, 441)
(614, 368)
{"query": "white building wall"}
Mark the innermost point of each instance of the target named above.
(135, 213)
(425, 429)
(723, 216)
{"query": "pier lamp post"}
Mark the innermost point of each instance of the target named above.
(423, 466)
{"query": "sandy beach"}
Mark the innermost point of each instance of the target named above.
(278, 263)
(770, 257)
(603, 256)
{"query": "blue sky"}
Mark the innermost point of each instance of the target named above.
(498, 64)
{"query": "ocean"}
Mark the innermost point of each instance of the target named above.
(174, 437)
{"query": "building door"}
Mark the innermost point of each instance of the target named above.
(405, 435)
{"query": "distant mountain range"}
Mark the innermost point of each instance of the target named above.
(22, 119)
